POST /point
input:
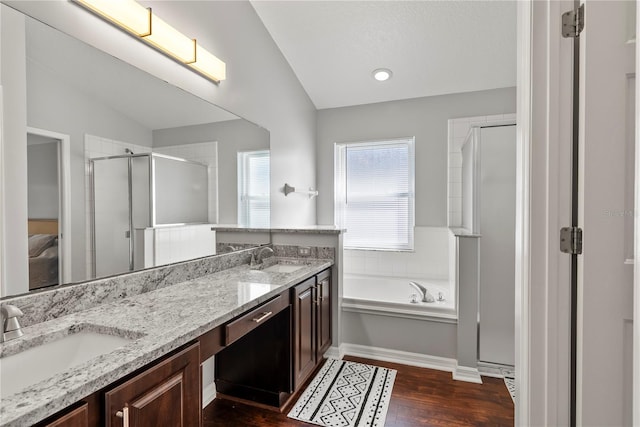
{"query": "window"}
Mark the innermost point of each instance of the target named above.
(253, 189)
(374, 190)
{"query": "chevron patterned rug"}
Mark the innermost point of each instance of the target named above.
(346, 394)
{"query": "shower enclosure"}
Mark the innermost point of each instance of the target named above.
(136, 192)
(488, 209)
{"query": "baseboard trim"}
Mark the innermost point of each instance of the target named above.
(334, 352)
(467, 374)
(496, 370)
(401, 357)
(208, 394)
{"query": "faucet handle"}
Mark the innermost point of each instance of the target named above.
(12, 328)
(10, 311)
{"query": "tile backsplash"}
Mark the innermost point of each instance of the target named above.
(429, 259)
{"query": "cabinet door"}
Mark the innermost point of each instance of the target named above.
(166, 394)
(78, 417)
(304, 326)
(324, 313)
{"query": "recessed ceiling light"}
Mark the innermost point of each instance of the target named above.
(382, 74)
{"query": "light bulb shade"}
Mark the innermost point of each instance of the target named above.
(382, 74)
(139, 21)
(171, 41)
(209, 65)
(127, 14)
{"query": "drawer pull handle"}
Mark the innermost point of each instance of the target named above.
(124, 414)
(264, 316)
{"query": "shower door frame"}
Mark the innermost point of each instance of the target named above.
(475, 142)
(152, 198)
(129, 158)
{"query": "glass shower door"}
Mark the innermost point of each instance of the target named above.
(112, 232)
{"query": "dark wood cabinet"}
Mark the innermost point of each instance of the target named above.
(255, 363)
(78, 416)
(311, 325)
(262, 356)
(167, 394)
(323, 289)
(304, 326)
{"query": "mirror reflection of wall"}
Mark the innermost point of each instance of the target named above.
(104, 107)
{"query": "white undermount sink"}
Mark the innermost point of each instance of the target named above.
(35, 364)
(283, 268)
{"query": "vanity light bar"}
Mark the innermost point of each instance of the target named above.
(139, 21)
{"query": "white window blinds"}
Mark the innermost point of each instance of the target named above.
(253, 189)
(375, 194)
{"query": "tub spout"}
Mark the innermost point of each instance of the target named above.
(424, 292)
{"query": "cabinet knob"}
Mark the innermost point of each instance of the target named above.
(124, 414)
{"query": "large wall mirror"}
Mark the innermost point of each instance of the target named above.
(125, 171)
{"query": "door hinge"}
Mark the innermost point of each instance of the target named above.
(573, 22)
(571, 240)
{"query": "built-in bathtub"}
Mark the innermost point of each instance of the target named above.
(391, 296)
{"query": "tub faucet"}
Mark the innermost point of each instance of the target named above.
(9, 325)
(426, 295)
(259, 255)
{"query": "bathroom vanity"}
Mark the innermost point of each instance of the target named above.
(261, 326)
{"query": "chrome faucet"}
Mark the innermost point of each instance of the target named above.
(9, 326)
(426, 295)
(260, 254)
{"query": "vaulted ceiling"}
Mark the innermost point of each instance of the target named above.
(432, 47)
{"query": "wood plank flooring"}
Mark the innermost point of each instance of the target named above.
(421, 397)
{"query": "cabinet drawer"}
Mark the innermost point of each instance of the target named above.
(251, 320)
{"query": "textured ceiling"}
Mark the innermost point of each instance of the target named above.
(432, 47)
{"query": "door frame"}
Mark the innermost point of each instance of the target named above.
(523, 209)
(636, 248)
(3, 282)
(543, 132)
(64, 223)
(541, 67)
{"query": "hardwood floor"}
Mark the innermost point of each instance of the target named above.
(421, 397)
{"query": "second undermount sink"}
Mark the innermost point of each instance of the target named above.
(21, 370)
(283, 268)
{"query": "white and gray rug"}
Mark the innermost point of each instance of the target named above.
(346, 394)
(511, 386)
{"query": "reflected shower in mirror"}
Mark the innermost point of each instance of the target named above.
(158, 163)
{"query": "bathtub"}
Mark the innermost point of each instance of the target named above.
(391, 296)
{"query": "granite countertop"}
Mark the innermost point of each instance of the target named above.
(157, 322)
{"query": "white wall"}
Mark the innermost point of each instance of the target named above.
(14, 139)
(260, 87)
(201, 152)
(42, 171)
(426, 119)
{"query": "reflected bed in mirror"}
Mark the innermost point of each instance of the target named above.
(160, 147)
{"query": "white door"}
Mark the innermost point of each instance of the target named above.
(605, 276)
